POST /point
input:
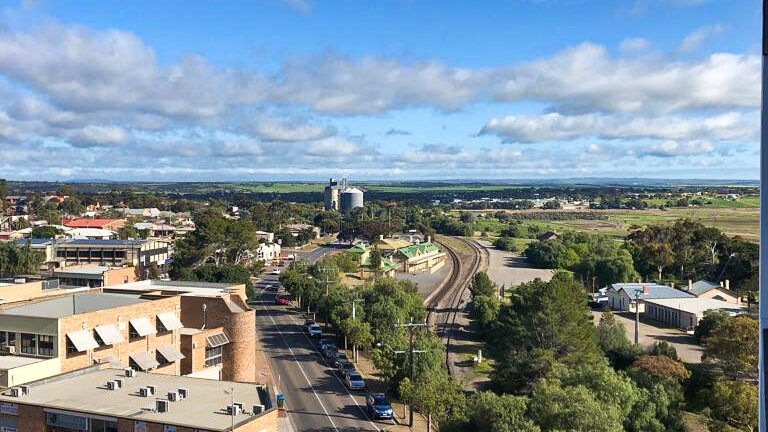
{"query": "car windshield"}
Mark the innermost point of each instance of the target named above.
(314, 327)
(380, 400)
(355, 377)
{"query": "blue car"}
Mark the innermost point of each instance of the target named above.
(378, 406)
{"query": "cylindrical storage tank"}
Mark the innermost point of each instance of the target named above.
(351, 198)
(240, 354)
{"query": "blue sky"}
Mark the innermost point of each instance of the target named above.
(379, 90)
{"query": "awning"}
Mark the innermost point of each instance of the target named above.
(169, 321)
(144, 360)
(82, 340)
(217, 340)
(112, 360)
(142, 326)
(170, 353)
(109, 334)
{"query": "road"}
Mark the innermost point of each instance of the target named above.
(311, 255)
(316, 399)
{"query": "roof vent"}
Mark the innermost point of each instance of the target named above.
(162, 405)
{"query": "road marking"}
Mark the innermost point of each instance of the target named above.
(335, 375)
(299, 365)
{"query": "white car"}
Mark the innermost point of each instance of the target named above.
(314, 330)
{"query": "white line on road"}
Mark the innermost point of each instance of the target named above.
(299, 365)
(338, 379)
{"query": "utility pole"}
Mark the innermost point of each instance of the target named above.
(763, 402)
(637, 317)
(411, 326)
(354, 347)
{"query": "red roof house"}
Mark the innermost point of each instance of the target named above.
(108, 224)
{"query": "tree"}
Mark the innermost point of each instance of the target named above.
(733, 346)
(485, 309)
(663, 348)
(649, 371)
(482, 285)
(573, 409)
(358, 333)
(45, 231)
(735, 402)
(436, 395)
(544, 322)
(712, 319)
(612, 339)
(71, 206)
(489, 412)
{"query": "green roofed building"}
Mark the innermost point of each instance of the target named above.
(421, 257)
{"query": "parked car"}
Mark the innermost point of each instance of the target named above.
(378, 406)
(346, 367)
(314, 331)
(271, 287)
(322, 343)
(354, 381)
(340, 357)
(308, 322)
(330, 351)
(282, 301)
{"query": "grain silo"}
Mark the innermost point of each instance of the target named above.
(351, 198)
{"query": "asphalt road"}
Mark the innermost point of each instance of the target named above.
(316, 398)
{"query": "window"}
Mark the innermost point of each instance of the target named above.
(45, 345)
(2, 338)
(132, 333)
(66, 421)
(160, 327)
(71, 349)
(213, 356)
(28, 343)
(103, 426)
(160, 359)
(11, 339)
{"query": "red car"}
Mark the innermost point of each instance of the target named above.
(282, 301)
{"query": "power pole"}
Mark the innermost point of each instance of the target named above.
(354, 346)
(411, 326)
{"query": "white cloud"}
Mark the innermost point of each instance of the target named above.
(555, 126)
(272, 128)
(696, 39)
(634, 44)
(97, 136)
(675, 148)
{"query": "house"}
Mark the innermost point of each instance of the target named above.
(111, 224)
(362, 251)
(295, 228)
(390, 244)
(90, 233)
(268, 237)
(622, 296)
(268, 252)
(549, 236)
(685, 313)
(151, 213)
(711, 290)
(156, 230)
(421, 256)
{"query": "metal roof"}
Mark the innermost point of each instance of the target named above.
(655, 291)
(73, 305)
(703, 286)
(698, 306)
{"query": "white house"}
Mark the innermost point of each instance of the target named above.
(268, 252)
(622, 296)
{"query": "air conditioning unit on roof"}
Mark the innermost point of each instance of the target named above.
(162, 405)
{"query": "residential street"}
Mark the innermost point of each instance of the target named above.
(316, 399)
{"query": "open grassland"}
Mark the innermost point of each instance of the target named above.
(741, 222)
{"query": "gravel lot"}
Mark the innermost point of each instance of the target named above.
(509, 268)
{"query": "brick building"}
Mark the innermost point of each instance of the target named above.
(176, 328)
(95, 276)
(137, 253)
(107, 400)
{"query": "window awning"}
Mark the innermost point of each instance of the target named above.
(169, 321)
(142, 326)
(82, 340)
(170, 353)
(217, 340)
(109, 334)
(144, 360)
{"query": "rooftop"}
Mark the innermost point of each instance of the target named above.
(90, 223)
(418, 249)
(655, 291)
(90, 270)
(14, 361)
(697, 305)
(73, 304)
(703, 286)
(203, 408)
(203, 289)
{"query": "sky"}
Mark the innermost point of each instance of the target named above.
(281, 90)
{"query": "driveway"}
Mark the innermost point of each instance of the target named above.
(650, 333)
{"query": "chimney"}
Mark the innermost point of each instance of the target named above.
(727, 284)
(645, 289)
(690, 284)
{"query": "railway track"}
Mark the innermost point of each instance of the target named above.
(445, 305)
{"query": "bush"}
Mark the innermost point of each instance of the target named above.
(506, 244)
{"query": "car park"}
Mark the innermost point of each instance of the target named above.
(378, 406)
(314, 331)
(354, 381)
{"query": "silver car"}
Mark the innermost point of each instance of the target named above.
(354, 381)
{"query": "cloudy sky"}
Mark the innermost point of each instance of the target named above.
(379, 90)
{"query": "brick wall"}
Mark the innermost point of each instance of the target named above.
(119, 317)
(193, 348)
(117, 276)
